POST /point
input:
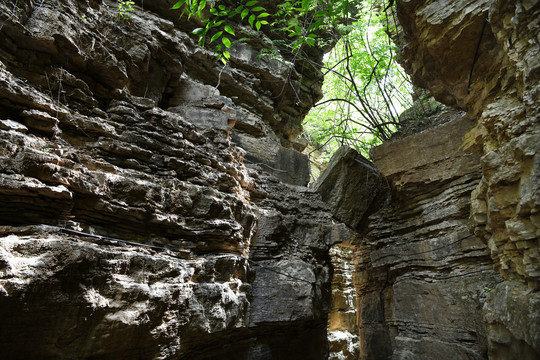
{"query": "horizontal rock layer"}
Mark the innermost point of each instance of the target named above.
(421, 276)
(130, 225)
(483, 56)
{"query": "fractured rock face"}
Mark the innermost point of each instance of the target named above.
(483, 56)
(421, 275)
(130, 226)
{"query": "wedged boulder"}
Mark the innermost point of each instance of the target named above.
(352, 187)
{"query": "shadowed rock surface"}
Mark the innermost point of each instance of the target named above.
(115, 133)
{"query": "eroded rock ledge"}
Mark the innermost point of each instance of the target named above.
(449, 270)
(117, 130)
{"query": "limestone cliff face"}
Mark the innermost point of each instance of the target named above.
(422, 276)
(449, 269)
(116, 133)
(489, 66)
(451, 266)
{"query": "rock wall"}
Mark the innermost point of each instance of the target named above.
(421, 275)
(152, 201)
(130, 225)
(486, 57)
(450, 268)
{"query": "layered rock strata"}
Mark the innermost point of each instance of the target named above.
(130, 225)
(420, 274)
(352, 188)
(483, 57)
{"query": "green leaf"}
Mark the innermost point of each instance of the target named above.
(305, 5)
(263, 15)
(226, 42)
(178, 4)
(264, 22)
(198, 31)
(258, 8)
(251, 3)
(236, 11)
(245, 13)
(258, 25)
(202, 5)
(310, 41)
(221, 7)
(251, 20)
(226, 54)
(229, 30)
(216, 36)
(315, 25)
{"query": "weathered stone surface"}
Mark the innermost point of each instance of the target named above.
(118, 129)
(81, 298)
(421, 276)
(483, 56)
(518, 338)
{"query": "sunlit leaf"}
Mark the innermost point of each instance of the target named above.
(178, 4)
(216, 36)
(245, 13)
(229, 29)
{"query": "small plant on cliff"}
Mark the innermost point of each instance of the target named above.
(217, 19)
(125, 8)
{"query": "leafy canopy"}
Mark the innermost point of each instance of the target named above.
(365, 89)
(299, 20)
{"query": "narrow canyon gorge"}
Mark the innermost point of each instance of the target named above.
(154, 203)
